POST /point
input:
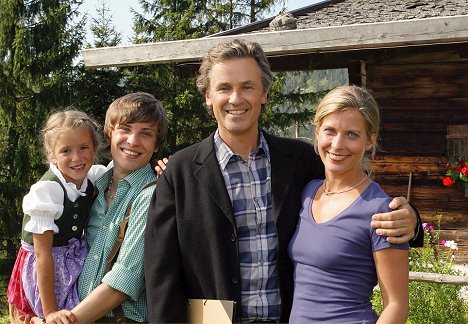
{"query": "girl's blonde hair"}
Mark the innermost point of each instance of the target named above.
(66, 120)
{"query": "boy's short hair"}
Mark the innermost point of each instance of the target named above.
(137, 107)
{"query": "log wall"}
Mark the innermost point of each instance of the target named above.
(421, 91)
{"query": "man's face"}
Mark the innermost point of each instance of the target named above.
(236, 95)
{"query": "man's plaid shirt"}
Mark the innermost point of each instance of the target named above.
(249, 186)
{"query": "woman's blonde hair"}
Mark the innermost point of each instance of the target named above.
(352, 97)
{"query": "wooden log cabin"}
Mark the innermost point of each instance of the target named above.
(412, 55)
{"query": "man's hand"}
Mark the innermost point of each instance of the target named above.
(161, 166)
(398, 225)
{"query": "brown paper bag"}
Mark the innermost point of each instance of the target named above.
(209, 311)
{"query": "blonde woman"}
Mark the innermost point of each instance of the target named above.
(334, 282)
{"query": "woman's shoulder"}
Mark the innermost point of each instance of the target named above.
(311, 187)
(376, 196)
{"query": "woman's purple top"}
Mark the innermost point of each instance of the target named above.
(334, 268)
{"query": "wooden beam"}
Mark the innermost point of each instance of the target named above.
(441, 30)
(438, 278)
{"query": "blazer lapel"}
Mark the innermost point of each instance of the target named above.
(283, 168)
(210, 177)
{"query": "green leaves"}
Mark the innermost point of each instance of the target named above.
(38, 43)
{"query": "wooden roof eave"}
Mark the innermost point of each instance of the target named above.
(440, 30)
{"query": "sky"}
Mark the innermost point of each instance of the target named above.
(122, 16)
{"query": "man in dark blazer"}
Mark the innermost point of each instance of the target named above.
(225, 209)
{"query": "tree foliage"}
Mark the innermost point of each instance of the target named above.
(174, 85)
(37, 46)
(95, 89)
(40, 72)
(293, 100)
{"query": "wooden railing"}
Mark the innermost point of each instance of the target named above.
(438, 278)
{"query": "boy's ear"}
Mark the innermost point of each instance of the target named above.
(266, 96)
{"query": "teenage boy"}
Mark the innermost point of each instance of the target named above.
(136, 126)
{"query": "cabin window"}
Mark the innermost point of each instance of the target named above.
(457, 142)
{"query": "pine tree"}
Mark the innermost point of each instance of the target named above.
(164, 21)
(240, 12)
(95, 89)
(38, 44)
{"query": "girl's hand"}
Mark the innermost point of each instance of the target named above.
(33, 320)
(63, 316)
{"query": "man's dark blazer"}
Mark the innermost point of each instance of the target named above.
(191, 248)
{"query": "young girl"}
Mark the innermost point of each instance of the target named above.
(55, 210)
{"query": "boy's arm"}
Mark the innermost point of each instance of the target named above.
(98, 303)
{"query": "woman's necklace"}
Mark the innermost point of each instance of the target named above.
(329, 193)
(109, 187)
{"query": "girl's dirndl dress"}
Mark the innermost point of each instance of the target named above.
(57, 205)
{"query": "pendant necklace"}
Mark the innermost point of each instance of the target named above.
(329, 193)
(109, 188)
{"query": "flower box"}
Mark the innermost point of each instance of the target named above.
(457, 153)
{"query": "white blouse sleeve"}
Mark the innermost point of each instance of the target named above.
(44, 203)
(95, 172)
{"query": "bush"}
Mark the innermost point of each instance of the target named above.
(432, 303)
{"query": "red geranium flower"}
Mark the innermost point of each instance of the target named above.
(456, 172)
(448, 182)
(464, 171)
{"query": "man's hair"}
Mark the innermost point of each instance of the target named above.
(137, 107)
(235, 49)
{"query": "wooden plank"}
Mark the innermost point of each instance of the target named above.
(417, 74)
(391, 158)
(449, 220)
(439, 128)
(413, 143)
(456, 235)
(446, 91)
(441, 30)
(438, 194)
(438, 278)
(415, 115)
(410, 55)
(397, 169)
(423, 104)
(410, 158)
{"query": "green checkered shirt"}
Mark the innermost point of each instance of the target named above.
(127, 273)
